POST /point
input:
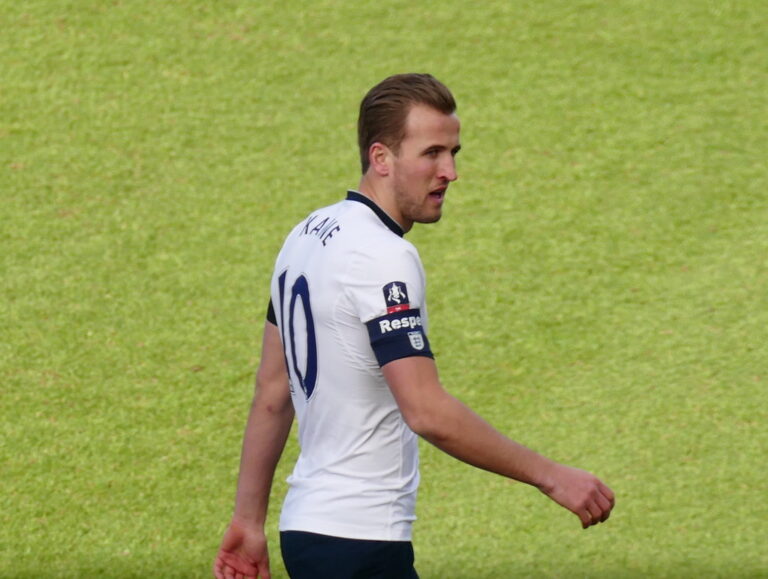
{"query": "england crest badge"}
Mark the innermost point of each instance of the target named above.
(417, 340)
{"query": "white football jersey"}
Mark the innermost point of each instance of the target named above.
(348, 297)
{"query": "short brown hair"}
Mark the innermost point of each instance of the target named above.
(385, 108)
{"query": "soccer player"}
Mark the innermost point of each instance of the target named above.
(345, 351)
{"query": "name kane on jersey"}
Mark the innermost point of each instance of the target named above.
(323, 229)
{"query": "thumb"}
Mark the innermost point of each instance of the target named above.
(263, 569)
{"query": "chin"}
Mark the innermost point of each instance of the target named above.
(429, 218)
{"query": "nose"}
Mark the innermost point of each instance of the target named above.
(448, 170)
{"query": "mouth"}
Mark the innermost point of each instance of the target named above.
(438, 194)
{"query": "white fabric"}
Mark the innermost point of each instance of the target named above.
(357, 473)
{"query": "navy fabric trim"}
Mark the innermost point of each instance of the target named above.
(388, 221)
(271, 317)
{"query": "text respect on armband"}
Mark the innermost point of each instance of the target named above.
(399, 323)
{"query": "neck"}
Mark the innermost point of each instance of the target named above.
(382, 196)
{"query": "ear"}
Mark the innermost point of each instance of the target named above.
(379, 158)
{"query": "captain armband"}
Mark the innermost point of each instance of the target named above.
(398, 335)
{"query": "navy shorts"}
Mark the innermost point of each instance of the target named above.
(313, 556)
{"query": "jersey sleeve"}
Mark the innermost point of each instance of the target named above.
(271, 317)
(388, 293)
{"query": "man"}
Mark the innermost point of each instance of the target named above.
(345, 349)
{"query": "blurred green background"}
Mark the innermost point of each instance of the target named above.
(598, 286)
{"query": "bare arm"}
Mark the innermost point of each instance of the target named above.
(244, 548)
(444, 421)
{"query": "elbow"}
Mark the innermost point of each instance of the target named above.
(272, 396)
(428, 426)
(436, 419)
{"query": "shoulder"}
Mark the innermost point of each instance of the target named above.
(385, 251)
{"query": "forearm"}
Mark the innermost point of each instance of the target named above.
(457, 430)
(265, 436)
(444, 421)
(451, 426)
(269, 422)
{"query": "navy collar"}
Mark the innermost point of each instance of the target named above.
(386, 219)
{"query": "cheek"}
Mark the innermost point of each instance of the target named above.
(423, 169)
(415, 171)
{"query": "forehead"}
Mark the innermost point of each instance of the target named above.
(424, 123)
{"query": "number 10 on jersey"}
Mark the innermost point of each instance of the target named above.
(301, 347)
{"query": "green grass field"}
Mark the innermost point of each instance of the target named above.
(598, 286)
